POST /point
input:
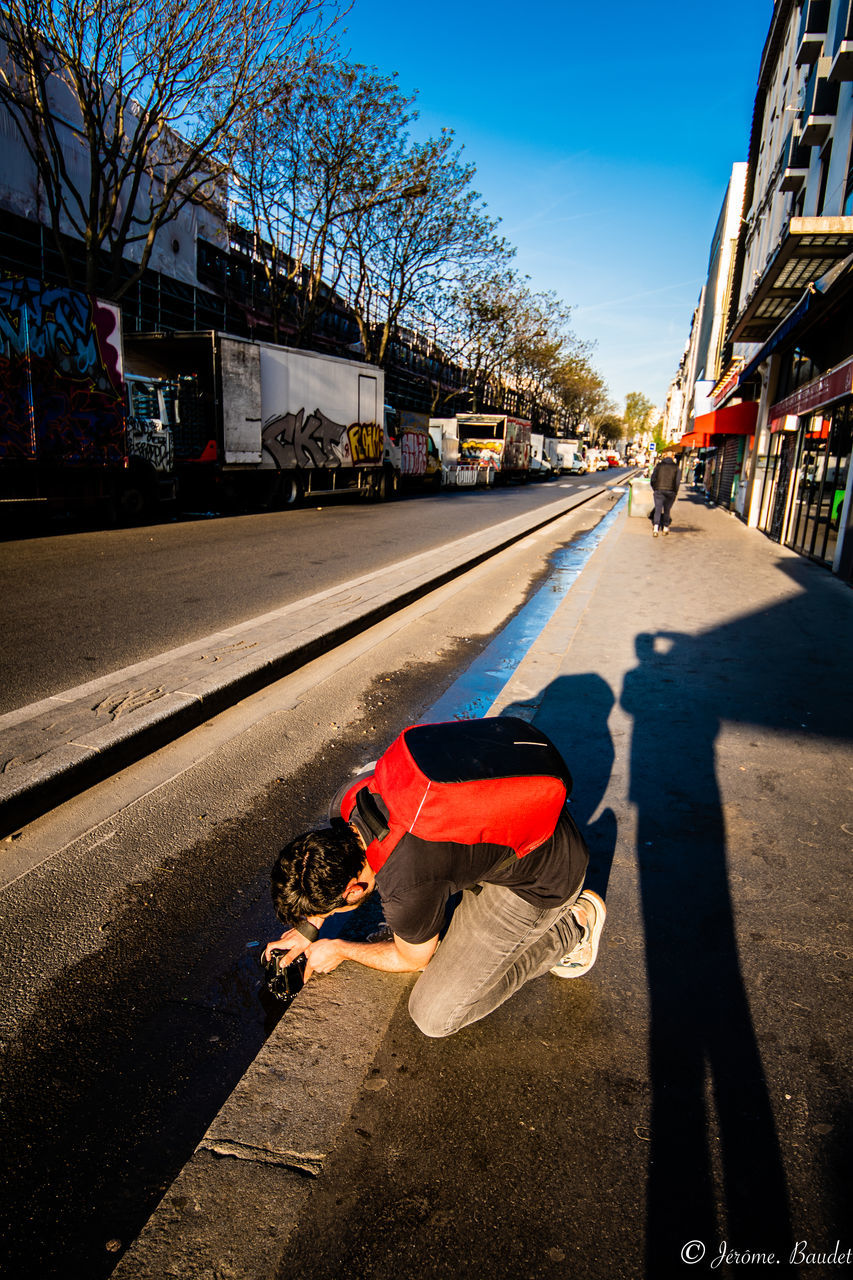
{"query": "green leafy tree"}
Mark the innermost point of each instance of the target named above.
(581, 390)
(638, 413)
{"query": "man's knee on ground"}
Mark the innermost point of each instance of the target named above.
(431, 1021)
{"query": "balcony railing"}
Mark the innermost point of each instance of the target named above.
(797, 161)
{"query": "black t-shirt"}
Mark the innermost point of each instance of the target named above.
(421, 875)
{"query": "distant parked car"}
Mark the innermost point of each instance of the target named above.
(577, 467)
(603, 465)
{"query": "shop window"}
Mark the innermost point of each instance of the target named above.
(821, 481)
(797, 369)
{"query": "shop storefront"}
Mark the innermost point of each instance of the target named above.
(724, 438)
(804, 474)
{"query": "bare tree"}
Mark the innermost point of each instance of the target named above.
(407, 253)
(309, 167)
(129, 109)
(473, 327)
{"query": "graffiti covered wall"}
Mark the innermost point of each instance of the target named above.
(61, 390)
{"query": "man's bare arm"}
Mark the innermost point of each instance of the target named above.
(393, 956)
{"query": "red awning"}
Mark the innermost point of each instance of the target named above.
(733, 420)
(695, 440)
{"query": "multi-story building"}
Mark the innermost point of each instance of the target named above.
(790, 337)
(720, 434)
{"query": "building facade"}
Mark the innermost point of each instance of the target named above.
(719, 436)
(789, 343)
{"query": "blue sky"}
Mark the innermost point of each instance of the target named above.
(603, 136)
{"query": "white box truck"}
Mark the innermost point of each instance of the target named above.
(562, 454)
(540, 463)
(270, 422)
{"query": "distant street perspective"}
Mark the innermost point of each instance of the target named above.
(426, 718)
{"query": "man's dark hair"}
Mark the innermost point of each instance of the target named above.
(312, 871)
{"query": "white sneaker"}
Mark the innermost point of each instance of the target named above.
(655, 531)
(581, 959)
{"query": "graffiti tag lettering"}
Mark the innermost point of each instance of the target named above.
(295, 440)
(366, 442)
(150, 441)
(413, 458)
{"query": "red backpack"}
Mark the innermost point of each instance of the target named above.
(492, 781)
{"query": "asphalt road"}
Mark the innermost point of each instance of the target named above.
(84, 604)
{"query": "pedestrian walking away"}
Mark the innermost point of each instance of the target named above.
(463, 831)
(664, 481)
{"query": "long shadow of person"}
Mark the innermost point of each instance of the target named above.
(702, 1042)
(711, 1111)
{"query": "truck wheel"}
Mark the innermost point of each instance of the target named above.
(134, 500)
(384, 486)
(290, 493)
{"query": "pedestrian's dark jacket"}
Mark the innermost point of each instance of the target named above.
(665, 476)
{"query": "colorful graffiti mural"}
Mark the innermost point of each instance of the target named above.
(61, 390)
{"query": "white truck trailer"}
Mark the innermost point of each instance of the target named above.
(269, 422)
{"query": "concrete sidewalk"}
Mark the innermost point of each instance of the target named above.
(686, 1100)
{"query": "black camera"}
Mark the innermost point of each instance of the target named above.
(284, 981)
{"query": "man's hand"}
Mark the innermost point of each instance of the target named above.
(322, 956)
(292, 942)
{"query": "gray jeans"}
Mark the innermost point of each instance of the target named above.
(495, 943)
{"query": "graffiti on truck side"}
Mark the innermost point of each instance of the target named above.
(61, 392)
(151, 442)
(314, 440)
(413, 459)
(366, 442)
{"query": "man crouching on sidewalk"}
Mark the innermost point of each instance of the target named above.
(520, 915)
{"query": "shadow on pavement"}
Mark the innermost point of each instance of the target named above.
(586, 745)
(712, 1120)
